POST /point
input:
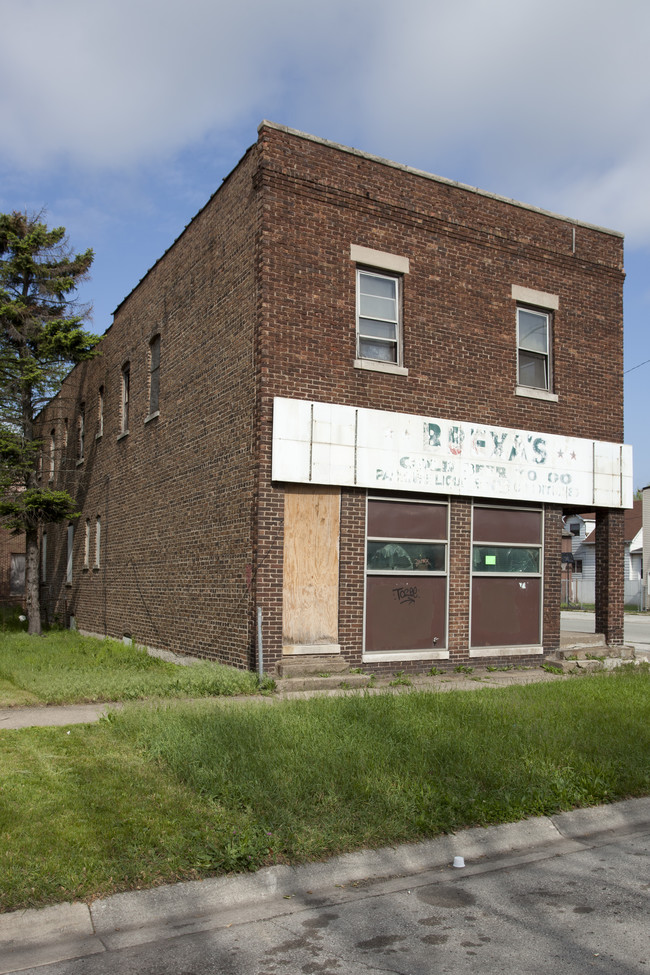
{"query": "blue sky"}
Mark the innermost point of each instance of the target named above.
(121, 117)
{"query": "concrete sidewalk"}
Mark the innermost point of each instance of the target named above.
(53, 716)
(56, 716)
(63, 932)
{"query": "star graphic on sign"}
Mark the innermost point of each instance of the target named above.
(573, 455)
(560, 453)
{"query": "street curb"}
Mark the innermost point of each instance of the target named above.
(52, 934)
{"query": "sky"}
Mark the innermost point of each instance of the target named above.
(121, 117)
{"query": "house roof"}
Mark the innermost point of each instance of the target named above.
(633, 523)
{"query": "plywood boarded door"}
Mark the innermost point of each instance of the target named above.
(312, 518)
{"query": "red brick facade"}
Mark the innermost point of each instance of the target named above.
(256, 300)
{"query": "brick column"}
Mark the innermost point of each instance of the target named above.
(460, 561)
(610, 575)
(552, 576)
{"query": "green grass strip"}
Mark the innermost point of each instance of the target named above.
(62, 666)
(188, 789)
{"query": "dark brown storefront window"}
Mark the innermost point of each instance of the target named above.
(406, 576)
(506, 577)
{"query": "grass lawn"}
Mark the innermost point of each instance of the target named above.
(63, 667)
(179, 790)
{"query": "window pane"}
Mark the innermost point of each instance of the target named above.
(385, 351)
(406, 556)
(377, 330)
(507, 525)
(488, 558)
(533, 370)
(533, 331)
(374, 284)
(406, 612)
(383, 308)
(505, 611)
(401, 519)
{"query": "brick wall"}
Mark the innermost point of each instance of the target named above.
(176, 496)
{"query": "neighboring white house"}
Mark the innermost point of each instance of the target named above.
(583, 571)
(645, 558)
(583, 546)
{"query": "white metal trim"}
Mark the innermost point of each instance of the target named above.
(525, 650)
(397, 655)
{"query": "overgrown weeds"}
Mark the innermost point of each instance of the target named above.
(171, 791)
(63, 666)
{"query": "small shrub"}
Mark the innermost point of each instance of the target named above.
(400, 678)
(463, 669)
(552, 669)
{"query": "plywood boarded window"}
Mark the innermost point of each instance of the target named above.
(310, 601)
(507, 562)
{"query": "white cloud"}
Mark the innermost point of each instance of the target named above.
(112, 83)
(544, 101)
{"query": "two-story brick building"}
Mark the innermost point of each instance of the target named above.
(357, 397)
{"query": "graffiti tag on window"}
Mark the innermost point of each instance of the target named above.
(405, 594)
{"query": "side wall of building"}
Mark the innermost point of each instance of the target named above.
(163, 549)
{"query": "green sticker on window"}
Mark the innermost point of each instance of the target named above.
(490, 560)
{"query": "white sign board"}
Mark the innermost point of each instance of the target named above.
(324, 443)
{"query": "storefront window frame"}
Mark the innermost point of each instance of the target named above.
(417, 654)
(509, 649)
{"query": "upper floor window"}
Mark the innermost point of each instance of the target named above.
(81, 431)
(68, 564)
(379, 289)
(126, 383)
(534, 344)
(378, 316)
(87, 544)
(52, 449)
(154, 374)
(100, 411)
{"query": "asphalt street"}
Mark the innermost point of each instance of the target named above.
(567, 894)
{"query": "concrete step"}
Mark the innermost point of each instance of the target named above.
(586, 651)
(307, 665)
(333, 683)
(580, 659)
(575, 639)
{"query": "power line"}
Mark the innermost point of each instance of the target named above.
(636, 367)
